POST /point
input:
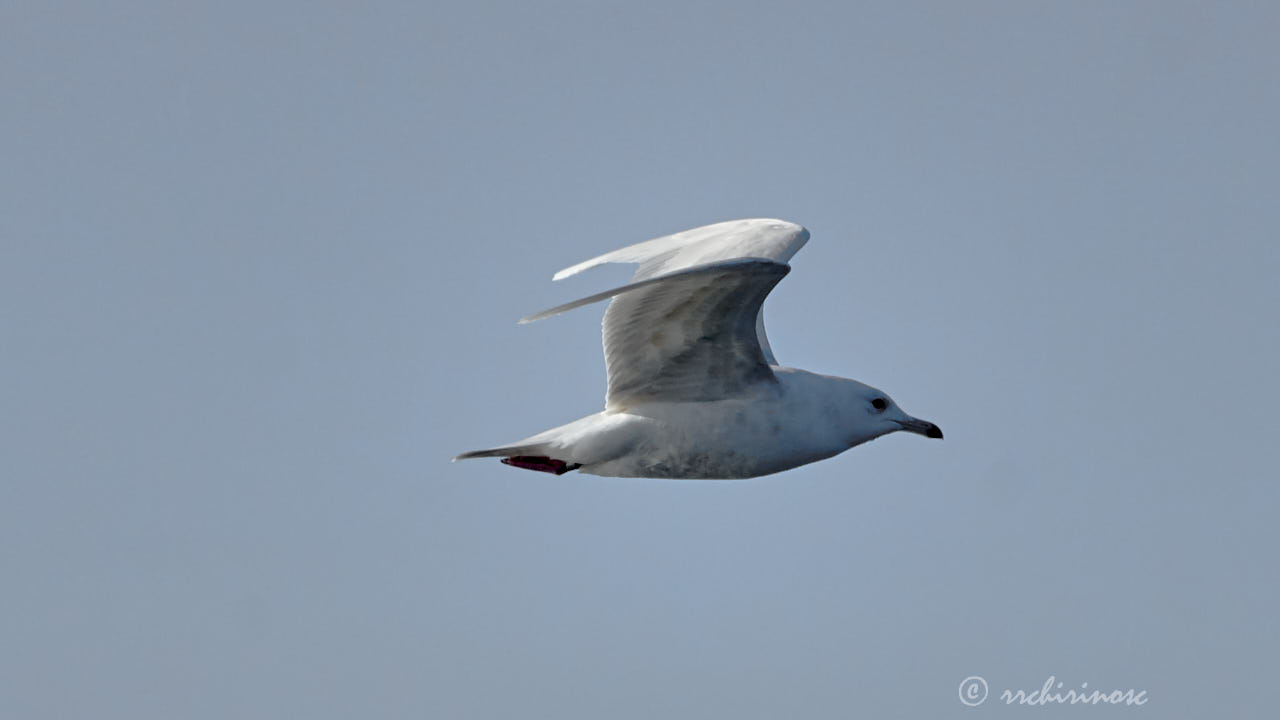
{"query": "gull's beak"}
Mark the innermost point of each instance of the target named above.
(921, 427)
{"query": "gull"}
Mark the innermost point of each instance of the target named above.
(694, 390)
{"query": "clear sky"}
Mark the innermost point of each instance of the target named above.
(260, 267)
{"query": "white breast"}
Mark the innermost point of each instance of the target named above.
(775, 430)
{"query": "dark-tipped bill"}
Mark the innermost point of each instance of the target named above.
(921, 427)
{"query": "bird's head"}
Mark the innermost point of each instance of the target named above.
(872, 413)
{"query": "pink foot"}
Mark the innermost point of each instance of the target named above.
(540, 463)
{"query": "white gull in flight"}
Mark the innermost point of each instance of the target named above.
(694, 390)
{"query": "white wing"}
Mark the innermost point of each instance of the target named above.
(765, 238)
(776, 240)
(689, 326)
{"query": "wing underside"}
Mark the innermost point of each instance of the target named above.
(690, 325)
(687, 336)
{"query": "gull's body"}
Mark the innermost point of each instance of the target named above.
(694, 389)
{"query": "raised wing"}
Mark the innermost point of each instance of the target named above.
(762, 238)
(686, 336)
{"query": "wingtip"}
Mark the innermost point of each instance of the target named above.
(575, 269)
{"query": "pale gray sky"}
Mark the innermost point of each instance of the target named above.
(260, 267)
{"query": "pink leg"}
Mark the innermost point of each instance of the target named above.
(540, 463)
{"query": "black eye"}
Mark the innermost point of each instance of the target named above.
(879, 404)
